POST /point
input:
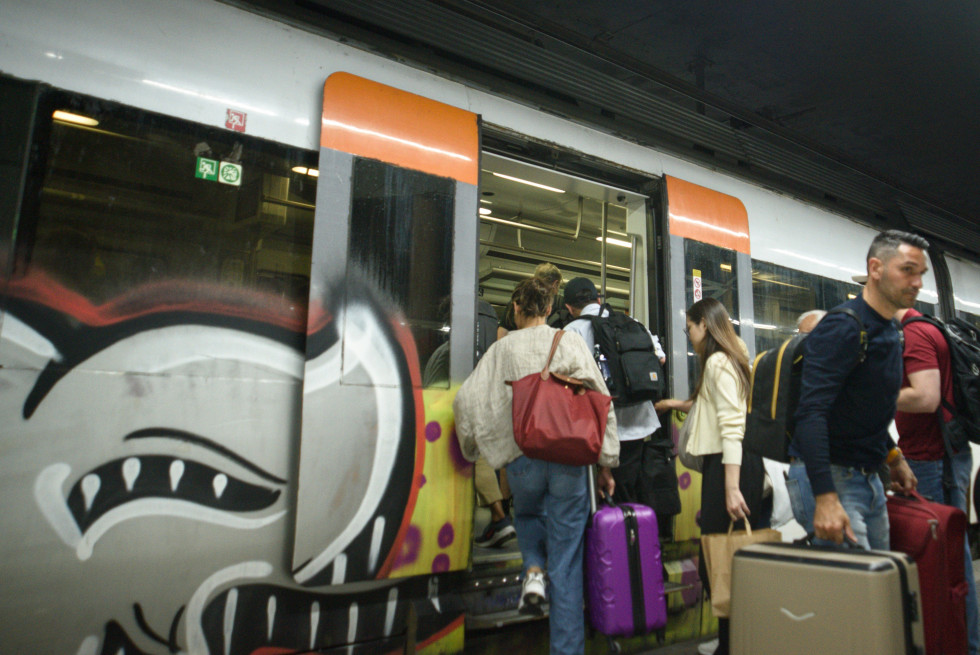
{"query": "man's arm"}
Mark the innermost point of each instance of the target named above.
(922, 396)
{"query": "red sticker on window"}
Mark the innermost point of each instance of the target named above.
(235, 120)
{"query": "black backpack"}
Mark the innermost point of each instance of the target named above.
(774, 390)
(964, 359)
(634, 372)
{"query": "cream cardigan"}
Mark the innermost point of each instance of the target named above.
(483, 405)
(719, 413)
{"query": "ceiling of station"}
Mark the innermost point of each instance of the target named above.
(892, 87)
(891, 90)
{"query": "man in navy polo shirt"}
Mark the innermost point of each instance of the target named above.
(847, 401)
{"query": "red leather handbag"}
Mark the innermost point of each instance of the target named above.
(556, 419)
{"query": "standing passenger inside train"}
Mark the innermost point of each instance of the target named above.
(848, 393)
(551, 501)
(732, 482)
(634, 423)
(551, 276)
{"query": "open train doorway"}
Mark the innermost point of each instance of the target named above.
(530, 214)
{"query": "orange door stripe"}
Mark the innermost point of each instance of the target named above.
(372, 120)
(703, 214)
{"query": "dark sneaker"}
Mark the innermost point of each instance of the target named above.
(496, 533)
(532, 594)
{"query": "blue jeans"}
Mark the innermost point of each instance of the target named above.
(861, 494)
(551, 508)
(930, 476)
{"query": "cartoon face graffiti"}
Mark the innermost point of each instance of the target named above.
(150, 466)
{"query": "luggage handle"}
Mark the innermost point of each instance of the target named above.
(594, 494)
(915, 494)
(847, 544)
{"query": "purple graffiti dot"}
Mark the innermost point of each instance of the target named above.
(462, 466)
(446, 535)
(433, 431)
(422, 480)
(410, 547)
(441, 563)
(697, 518)
(684, 481)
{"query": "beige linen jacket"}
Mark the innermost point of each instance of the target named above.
(483, 405)
(719, 414)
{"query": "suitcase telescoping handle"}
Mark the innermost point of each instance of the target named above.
(594, 494)
(847, 544)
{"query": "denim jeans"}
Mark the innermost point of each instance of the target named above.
(551, 508)
(930, 476)
(861, 494)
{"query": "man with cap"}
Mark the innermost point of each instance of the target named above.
(636, 422)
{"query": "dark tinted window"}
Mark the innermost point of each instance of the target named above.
(131, 198)
(715, 267)
(781, 294)
(401, 237)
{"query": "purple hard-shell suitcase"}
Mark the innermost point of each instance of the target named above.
(623, 572)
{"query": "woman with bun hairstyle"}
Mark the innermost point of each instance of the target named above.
(551, 501)
(732, 480)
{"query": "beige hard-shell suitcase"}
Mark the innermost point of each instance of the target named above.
(789, 599)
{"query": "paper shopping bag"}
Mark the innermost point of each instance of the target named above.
(718, 551)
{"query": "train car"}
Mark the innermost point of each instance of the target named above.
(239, 267)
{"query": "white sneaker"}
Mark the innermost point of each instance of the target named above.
(532, 595)
(708, 647)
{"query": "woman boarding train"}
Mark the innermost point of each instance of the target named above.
(551, 500)
(551, 503)
(732, 482)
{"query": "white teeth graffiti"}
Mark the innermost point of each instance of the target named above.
(131, 471)
(51, 500)
(270, 613)
(314, 623)
(231, 605)
(176, 473)
(219, 483)
(90, 487)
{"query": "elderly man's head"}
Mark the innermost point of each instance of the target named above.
(808, 320)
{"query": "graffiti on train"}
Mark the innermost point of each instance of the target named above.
(151, 456)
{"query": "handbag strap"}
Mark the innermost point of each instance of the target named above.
(554, 347)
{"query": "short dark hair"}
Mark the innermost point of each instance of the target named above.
(885, 244)
(579, 292)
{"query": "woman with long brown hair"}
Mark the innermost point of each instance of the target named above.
(732, 480)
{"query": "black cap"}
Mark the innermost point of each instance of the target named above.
(580, 289)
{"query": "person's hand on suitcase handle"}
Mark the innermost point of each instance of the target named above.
(606, 482)
(902, 477)
(830, 521)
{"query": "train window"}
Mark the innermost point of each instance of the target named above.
(781, 294)
(130, 199)
(972, 319)
(401, 233)
(965, 276)
(712, 270)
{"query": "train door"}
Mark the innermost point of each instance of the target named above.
(531, 215)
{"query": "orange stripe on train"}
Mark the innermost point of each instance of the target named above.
(706, 215)
(375, 121)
